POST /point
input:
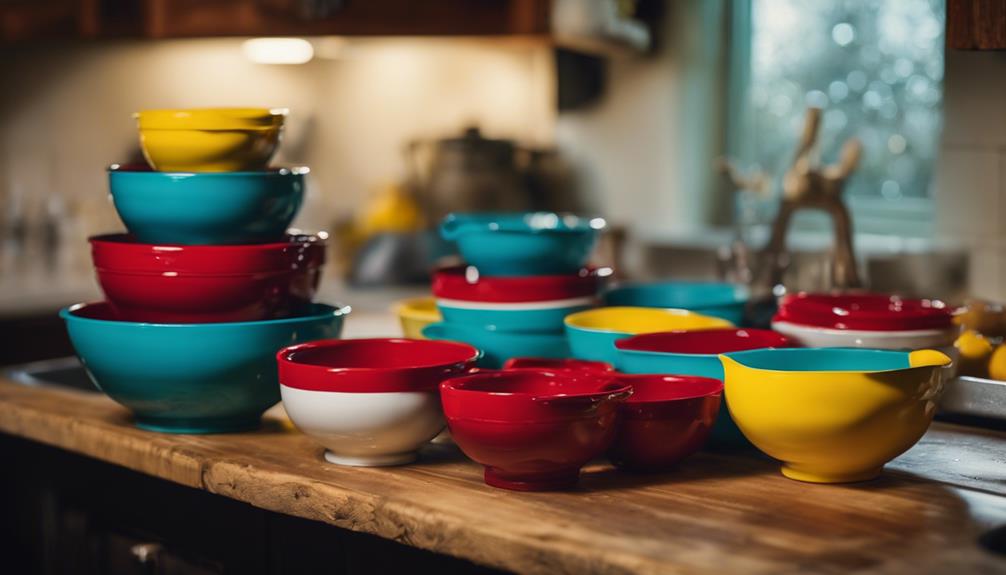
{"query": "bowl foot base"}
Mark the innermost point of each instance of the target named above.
(809, 476)
(199, 426)
(443, 438)
(550, 481)
(370, 460)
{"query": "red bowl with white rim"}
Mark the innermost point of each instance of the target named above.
(208, 283)
(865, 320)
(667, 418)
(532, 430)
(370, 402)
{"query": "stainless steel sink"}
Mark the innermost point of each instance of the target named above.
(62, 372)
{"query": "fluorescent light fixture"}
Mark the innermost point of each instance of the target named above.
(278, 50)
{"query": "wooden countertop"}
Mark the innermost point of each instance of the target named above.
(717, 514)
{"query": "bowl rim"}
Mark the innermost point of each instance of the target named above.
(319, 311)
(465, 283)
(559, 364)
(376, 378)
(606, 382)
(623, 345)
(740, 292)
(842, 311)
(877, 333)
(466, 328)
(714, 387)
(456, 224)
(924, 358)
(144, 170)
(211, 119)
(570, 321)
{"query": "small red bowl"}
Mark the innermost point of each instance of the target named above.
(374, 365)
(207, 284)
(704, 342)
(667, 418)
(558, 364)
(532, 430)
(868, 312)
(464, 284)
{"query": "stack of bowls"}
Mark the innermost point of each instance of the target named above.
(877, 321)
(208, 283)
(525, 273)
(717, 299)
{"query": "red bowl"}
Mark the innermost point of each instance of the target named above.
(532, 430)
(558, 364)
(870, 312)
(207, 284)
(667, 418)
(376, 365)
(464, 284)
(705, 342)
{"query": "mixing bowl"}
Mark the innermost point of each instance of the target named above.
(191, 378)
(522, 244)
(210, 139)
(204, 284)
(498, 347)
(532, 430)
(865, 320)
(695, 353)
(415, 314)
(833, 415)
(666, 419)
(592, 333)
(722, 300)
(206, 208)
(370, 402)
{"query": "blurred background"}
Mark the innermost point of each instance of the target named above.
(624, 109)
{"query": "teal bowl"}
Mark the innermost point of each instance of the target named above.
(206, 208)
(523, 244)
(191, 378)
(510, 318)
(497, 347)
(722, 300)
(695, 353)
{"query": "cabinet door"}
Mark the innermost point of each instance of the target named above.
(976, 24)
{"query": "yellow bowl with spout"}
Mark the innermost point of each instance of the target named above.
(833, 415)
(592, 333)
(416, 313)
(210, 139)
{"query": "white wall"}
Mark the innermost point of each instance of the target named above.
(65, 112)
(971, 171)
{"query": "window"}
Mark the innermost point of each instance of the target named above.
(875, 67)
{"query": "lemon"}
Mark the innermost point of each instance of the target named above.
(975, 352)
(997, 364)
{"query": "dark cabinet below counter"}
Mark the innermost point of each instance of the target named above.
(67, 514)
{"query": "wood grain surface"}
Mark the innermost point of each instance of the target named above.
(718, 513)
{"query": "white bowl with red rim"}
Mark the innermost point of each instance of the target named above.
(370, 402)
(519, 304)
(865, 320)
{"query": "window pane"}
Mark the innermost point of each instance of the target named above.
(875, 66)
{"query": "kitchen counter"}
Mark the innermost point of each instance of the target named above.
(717, 514)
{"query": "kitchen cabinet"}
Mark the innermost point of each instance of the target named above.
(976, 24)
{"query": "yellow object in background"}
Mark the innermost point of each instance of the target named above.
(415, 314)
(997, 363)
(210, 139)
(833, 426)
(976, 351)
(391, 209)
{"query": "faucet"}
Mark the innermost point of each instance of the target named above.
(808, 185)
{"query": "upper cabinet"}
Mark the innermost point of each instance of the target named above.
(589, 26)
(976, 24)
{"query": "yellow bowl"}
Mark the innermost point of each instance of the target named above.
(415, 314)
(833, 415)
(210, 139)
(592, 333)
